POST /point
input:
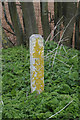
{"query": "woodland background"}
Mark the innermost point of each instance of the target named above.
(42, 18)
(59, 24)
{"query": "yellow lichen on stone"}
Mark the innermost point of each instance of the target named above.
(38, 75)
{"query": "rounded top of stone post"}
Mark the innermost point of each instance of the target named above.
(36, 36)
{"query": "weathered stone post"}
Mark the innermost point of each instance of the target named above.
(37, 63)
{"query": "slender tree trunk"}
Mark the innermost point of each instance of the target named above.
(5, 16)
(29, 19)
(57, 15)
(16, 22)
(44, 19)
(0, 30)
(57, 11)
(69, 13)
(77, 34)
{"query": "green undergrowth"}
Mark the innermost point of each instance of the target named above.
(61, 85)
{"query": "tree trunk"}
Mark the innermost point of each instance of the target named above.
(44, 19)
(16, 22)
(69, 14)
(57, 11)
(57, 15)
(5, 16)
(29, 19)
(77, 34)
(5, 41)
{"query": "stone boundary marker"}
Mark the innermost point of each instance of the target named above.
(37, 63)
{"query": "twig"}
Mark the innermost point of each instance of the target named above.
(9, 31)
(64, 49)
(50, 56)
(52, 32)
(56, 51)
(50, 52)
(60, 20)
(61, 40)
(67, 27)
(55, 55)
(63, 62)
(5, 16)
(2, 102)
(55, 35)
(74, 56)
(71, 68)
(60, 110)
(11, 42)
(58, 23)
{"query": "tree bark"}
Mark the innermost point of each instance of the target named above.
(29, 19)
(16, 22)
(5, 16)
(77, 34)
(58, 13)
(69, 13)
(5, 41)
(44, 19)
